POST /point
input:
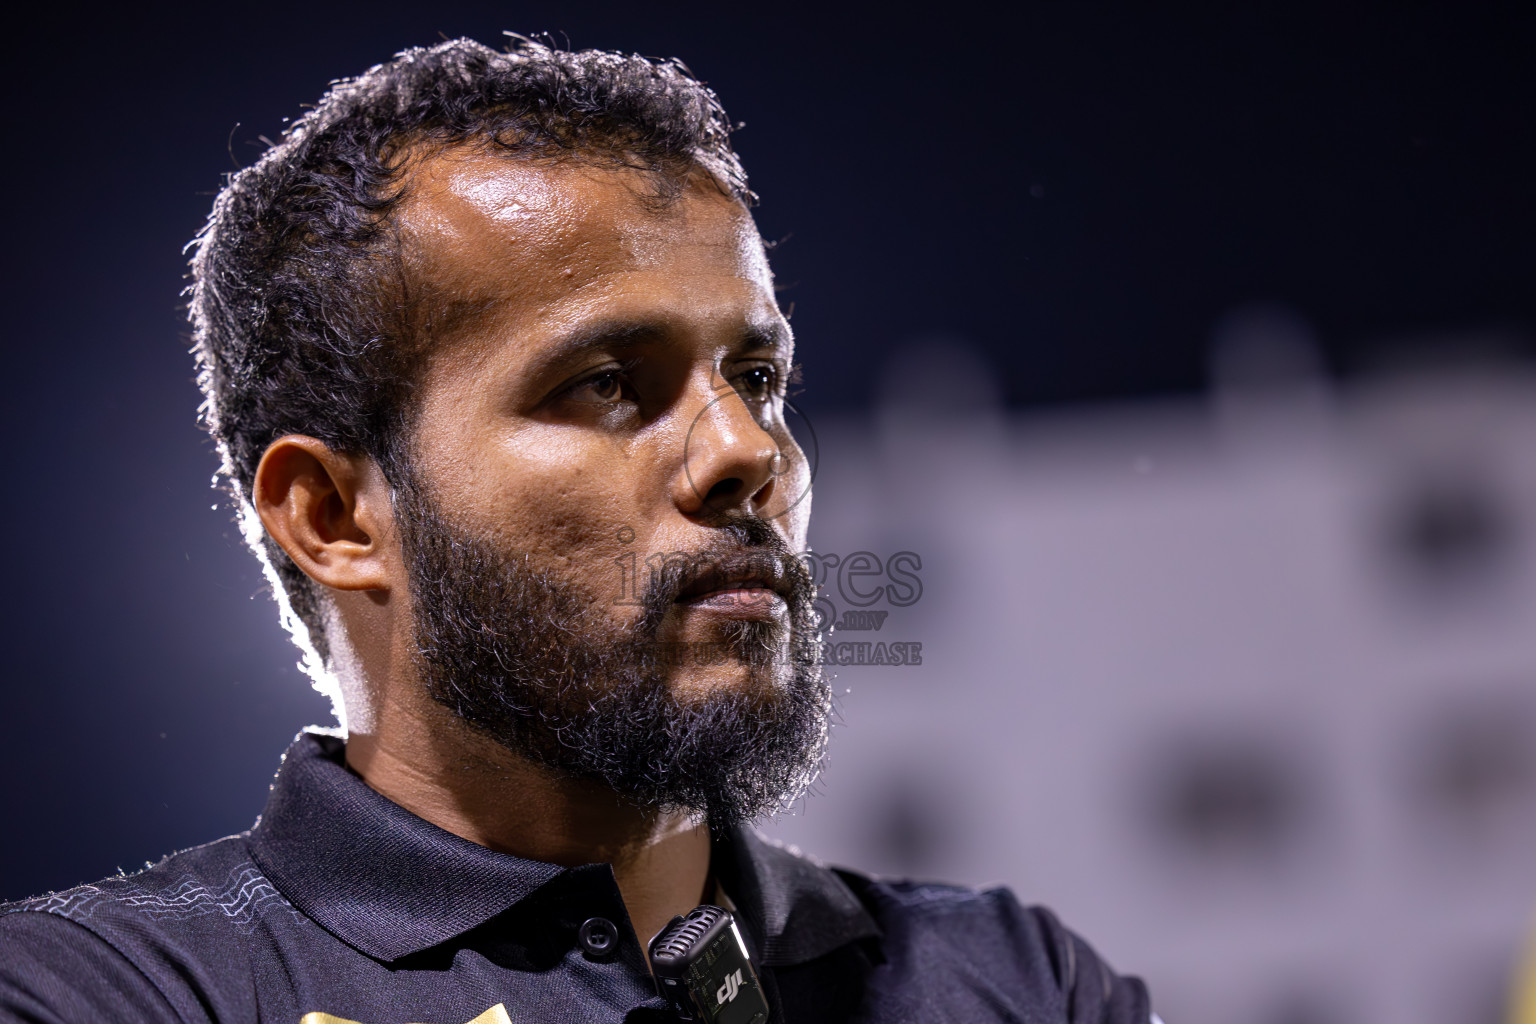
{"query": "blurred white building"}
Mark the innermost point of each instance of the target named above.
(1244, 689)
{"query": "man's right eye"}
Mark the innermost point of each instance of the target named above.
(599, 389)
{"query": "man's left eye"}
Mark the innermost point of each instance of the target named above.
(758, 382)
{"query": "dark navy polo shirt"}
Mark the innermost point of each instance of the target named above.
(342, 906)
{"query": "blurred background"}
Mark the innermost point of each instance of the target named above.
(1184, 360)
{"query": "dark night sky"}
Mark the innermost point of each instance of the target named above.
(1081, 190)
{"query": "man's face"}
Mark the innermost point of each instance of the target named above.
(604, 486)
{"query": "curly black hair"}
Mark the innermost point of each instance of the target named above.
(302, 321)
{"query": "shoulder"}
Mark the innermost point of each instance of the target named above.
(986, 942)
(204, 890)
(165, 935)
(54, 970)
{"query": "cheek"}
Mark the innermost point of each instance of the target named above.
(791, 506)
(796, 522)
(566, 504)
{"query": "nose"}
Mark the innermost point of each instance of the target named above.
(730, 460)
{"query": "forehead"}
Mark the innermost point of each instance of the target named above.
(485, 233)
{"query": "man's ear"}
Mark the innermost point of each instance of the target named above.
(331, 512)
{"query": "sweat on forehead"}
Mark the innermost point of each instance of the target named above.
(479, 233)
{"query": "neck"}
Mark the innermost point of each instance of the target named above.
(429, 762)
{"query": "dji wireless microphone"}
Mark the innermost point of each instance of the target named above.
(702, 966)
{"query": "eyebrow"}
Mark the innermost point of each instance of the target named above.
(619, 335)
(774, 335)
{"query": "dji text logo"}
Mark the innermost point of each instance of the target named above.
(727, 991)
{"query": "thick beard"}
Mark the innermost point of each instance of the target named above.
(532, 660)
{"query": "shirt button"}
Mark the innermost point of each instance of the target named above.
(599, 938)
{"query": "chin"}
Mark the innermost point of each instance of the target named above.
(699, 682)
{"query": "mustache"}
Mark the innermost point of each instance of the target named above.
(747, 549)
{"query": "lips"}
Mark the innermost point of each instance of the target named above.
(756, 577)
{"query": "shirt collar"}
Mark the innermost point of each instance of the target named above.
(390, 884)
(796, 908)
(370, 872)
